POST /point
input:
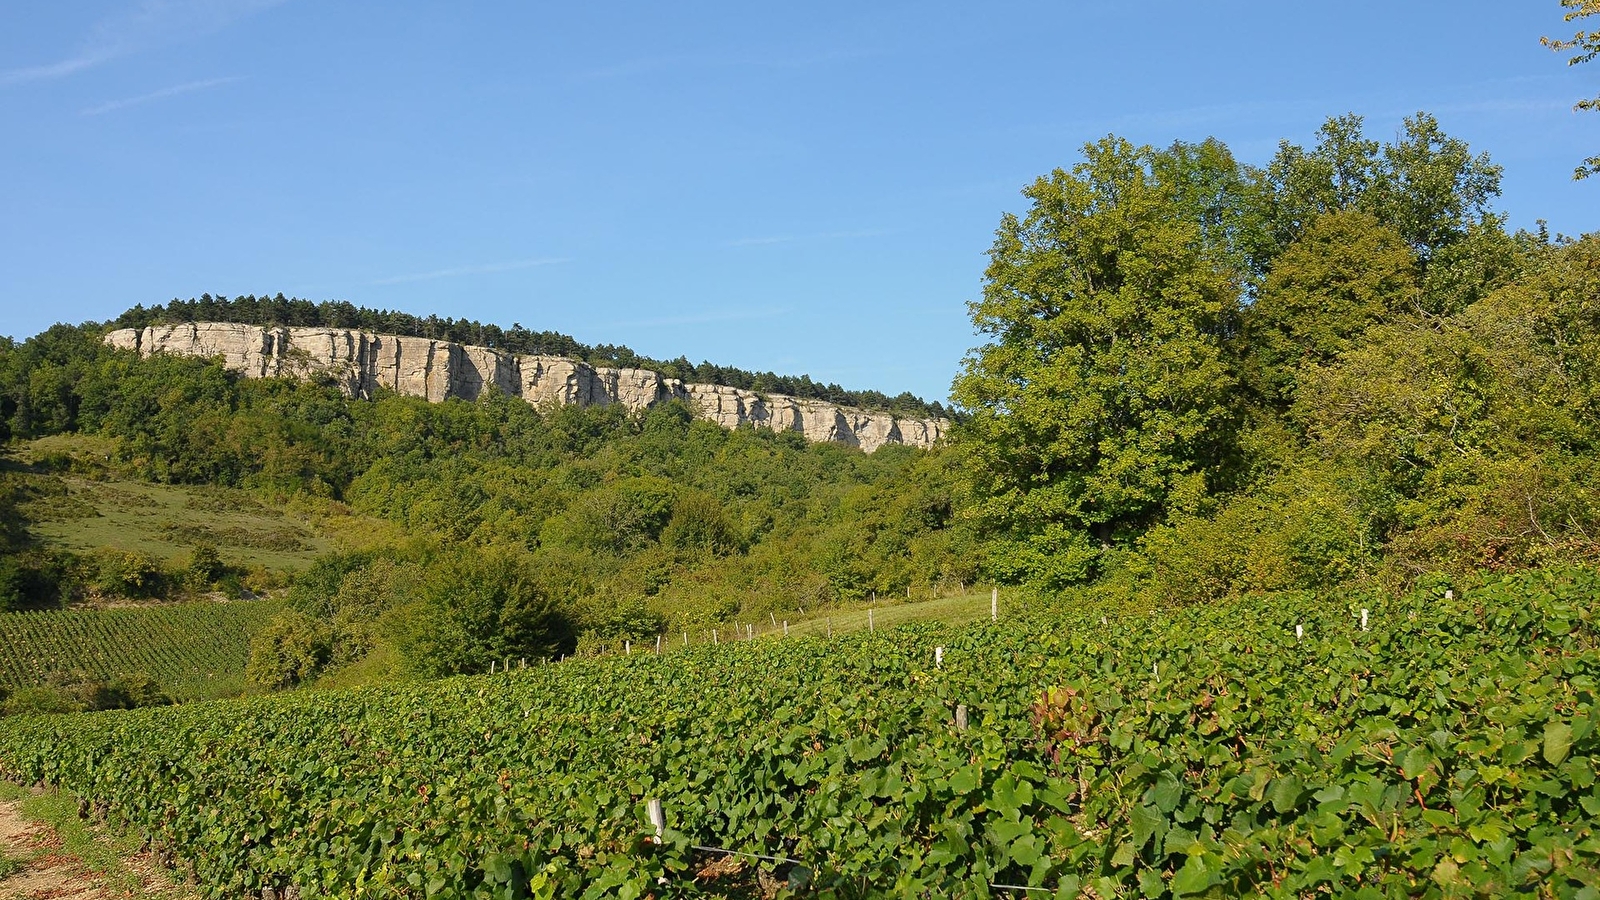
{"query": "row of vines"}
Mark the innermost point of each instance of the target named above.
(191, 649)
(1263, 748)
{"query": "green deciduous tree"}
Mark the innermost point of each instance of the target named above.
(478, 606)
(1427, 186)
(289, 651)
(1099, 402)
(1585, 47)
(1346, 272)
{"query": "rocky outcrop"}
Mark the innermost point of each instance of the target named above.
(361, 363)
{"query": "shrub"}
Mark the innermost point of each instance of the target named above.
(124, 573)
(288, 652)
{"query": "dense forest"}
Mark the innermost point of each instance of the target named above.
(282, 311)
(1200, 379)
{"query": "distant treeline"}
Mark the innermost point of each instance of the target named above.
(279, 310)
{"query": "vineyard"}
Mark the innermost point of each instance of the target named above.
(1271, 747)
(194, 650)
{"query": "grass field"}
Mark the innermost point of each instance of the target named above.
(83, 512)
(957, 610)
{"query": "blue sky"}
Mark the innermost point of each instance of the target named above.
(796, 187)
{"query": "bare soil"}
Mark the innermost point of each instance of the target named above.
(47, 872)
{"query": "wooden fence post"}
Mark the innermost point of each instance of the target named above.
(961, 717)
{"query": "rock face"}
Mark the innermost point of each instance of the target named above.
(361, 362)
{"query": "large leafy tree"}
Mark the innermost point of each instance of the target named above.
(1099, 402)
(1347, 272)
(1585, 47)
(1427, 186)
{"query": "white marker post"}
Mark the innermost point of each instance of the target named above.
(870, 625)
(938, 657)
(1299, 633)
(1363, 619)
(658, 818)
(994, 604)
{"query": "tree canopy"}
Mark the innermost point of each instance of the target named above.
(1584, 47)
(1202, 377)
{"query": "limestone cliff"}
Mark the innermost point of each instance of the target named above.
(360, 362)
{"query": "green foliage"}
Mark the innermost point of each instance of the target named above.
(1426, 186)
(691, 521)
(1101, 402)
(700, 523)
(37, 700)
(288, 651)
(1447, 751)
(1585, 46)
(618, 518)
(1347, 272)
(1403, 388)
(41, 378)
(125, 575)
(478, 607)
(1300, 533)
(206, 565)
(190, 650)
(13, 522)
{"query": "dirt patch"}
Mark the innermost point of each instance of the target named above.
(46, 872)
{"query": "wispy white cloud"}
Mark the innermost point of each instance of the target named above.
(792, 238)
(148, 24)
(157, 95)
(485, 269)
